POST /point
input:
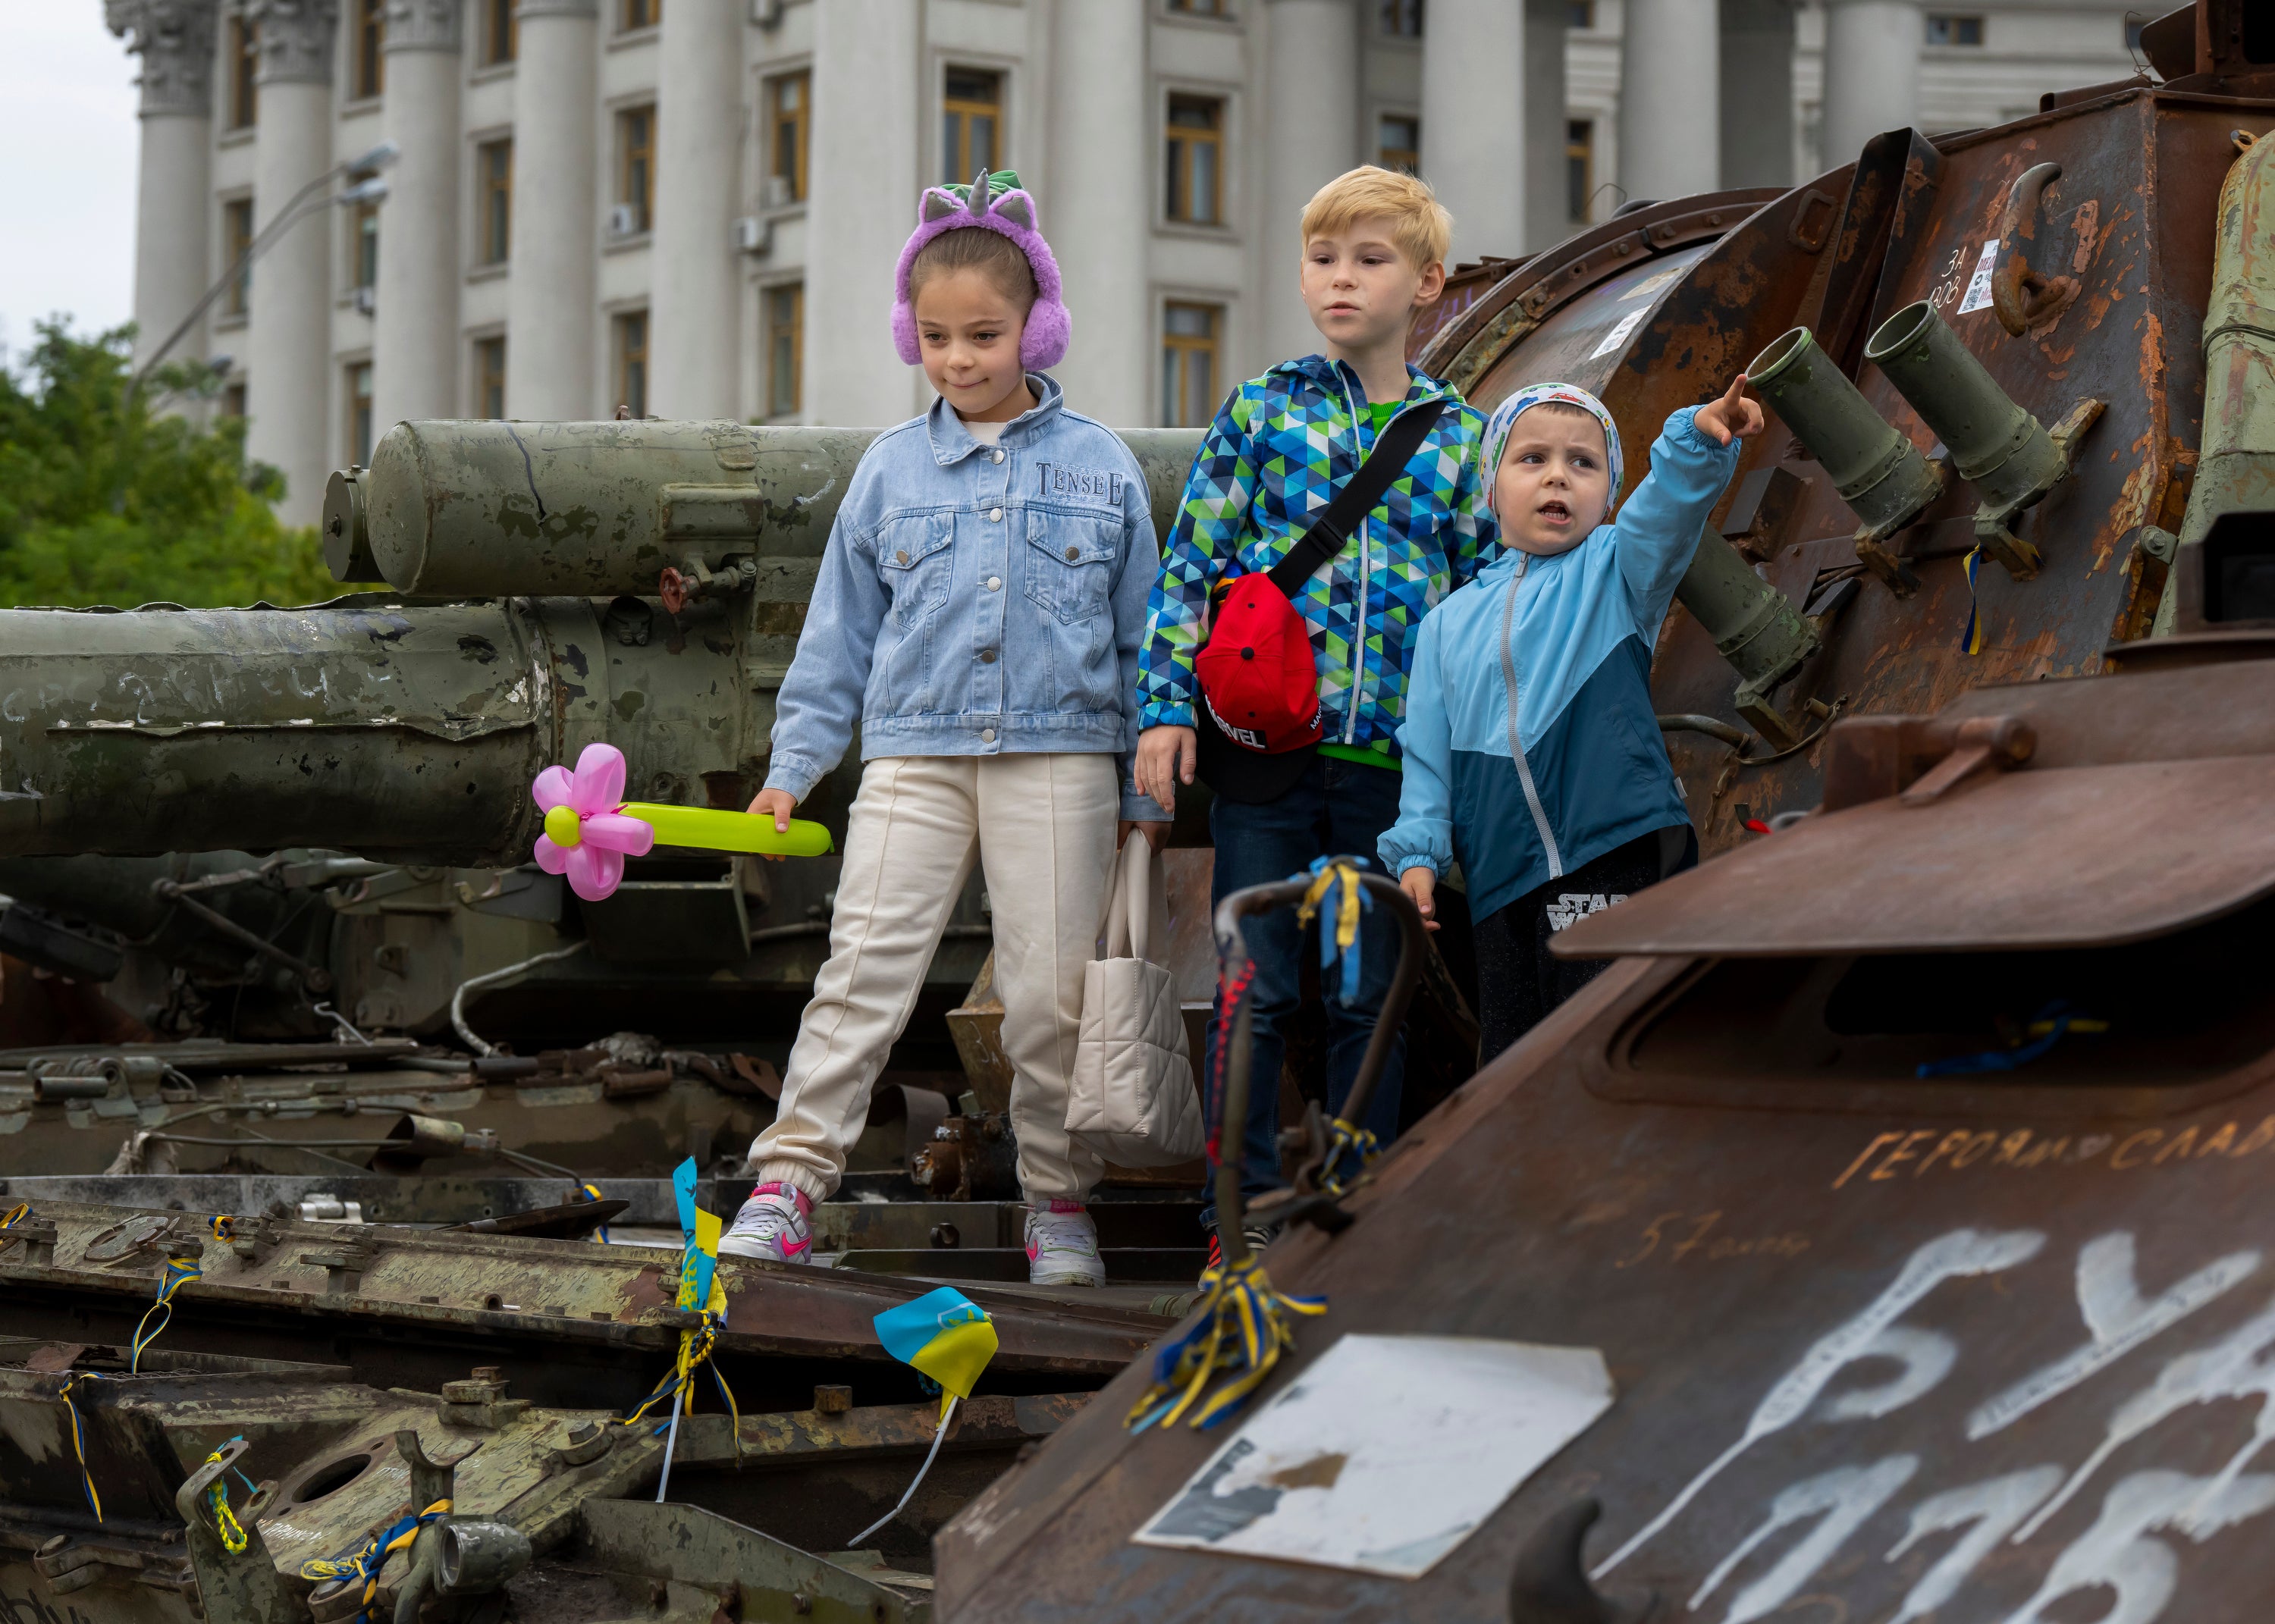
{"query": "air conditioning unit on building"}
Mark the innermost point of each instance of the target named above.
(366, 300)
(624, 221)
(754, 235)
(773, 193)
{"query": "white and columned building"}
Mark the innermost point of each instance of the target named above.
(691, 207)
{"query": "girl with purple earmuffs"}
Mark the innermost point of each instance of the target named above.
(978, 615)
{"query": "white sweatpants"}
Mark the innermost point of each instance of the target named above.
(1042, 828)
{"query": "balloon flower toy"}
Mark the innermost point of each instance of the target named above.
(590, 828)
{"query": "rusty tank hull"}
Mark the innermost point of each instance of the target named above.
(1880, 1236)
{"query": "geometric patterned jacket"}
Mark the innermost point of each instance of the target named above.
(1280, 447)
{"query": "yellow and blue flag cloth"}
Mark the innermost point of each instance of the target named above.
(945, 1335)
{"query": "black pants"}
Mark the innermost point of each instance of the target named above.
(1519, 981)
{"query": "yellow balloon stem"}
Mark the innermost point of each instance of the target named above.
(710, 829)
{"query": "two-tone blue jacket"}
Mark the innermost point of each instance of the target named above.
(1531, 743)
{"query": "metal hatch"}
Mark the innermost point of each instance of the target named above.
(2077, 814)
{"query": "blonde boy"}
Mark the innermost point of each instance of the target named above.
(1373, 250)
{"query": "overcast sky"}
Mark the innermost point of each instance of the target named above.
(67, 155)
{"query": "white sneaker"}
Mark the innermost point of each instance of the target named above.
(1063, 1246)
(773, 1224)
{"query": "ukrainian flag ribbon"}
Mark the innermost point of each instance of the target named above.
(1241, 1330)
(1329, 876)
(366, 1563)
(178, 1272)
(699, 1288)
(1350, 1151)
(233, 1537)
(1971, 641)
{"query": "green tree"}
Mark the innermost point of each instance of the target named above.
(107, 497)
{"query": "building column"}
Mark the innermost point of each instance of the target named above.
(554, 245)
(415, 327)
(1475, 102)
(1311, 112)
(1871, 73)
(175, 39)
(1547, 215)
(288, 372)
(1101, 140)
(694, 320)
(1756, 93)
(869, 98)
(1670, 79)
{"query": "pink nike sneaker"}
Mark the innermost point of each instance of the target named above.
(773, 1224)
(1062, 1245)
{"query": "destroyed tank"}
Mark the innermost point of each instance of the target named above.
(1882, 1236)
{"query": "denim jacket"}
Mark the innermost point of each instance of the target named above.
(976, 600)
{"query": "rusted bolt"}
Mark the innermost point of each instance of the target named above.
(832, 1400)
(800, 1603)
(489, 1372)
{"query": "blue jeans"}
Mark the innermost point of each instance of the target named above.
(1337, 808)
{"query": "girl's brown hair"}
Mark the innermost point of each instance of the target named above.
(992, 254)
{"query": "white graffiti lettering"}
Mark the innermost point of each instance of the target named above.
(2118, 1320)
(1993, 1507)
(1927, 1357)
(2117, 1552)
(1841, 1500)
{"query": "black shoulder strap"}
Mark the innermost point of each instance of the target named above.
(1393, 449)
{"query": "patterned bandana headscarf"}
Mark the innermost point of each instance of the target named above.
(1505, 416)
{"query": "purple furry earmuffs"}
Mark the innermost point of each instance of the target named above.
(993, 203)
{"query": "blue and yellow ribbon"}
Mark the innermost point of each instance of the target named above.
(699, 1287)
(178, 1272)
(1328, 875)
(79, 1443)
(1241, 1333)
(2053, 1023)
(592, 1192)
(1971, 641)
(233, 1537)
(1350, 1151)
(365, 1562)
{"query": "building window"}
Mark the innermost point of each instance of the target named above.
(1398, 143)
(1945, 29)
(359, 414)
(364, 255)
(243, 75)
(370, 40)
(1579, 168)
(632, 363)
(1402, 18)
(233, 400)
(971, 109)
(501, 32)
(636, 14)
(1197, 8)
(236, 238)
(790, 103)
(1580, 13)
(785, 350)
(1196, 160)
(635, 172)
(494, 183)
(1189, 363)
(489, 377)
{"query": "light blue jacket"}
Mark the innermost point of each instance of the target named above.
(1530, 739)
(977, 600)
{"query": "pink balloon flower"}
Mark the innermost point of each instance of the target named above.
(585, 837)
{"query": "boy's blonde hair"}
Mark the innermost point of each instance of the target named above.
(1422, 230)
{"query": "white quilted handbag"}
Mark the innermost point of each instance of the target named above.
(1131, 1099)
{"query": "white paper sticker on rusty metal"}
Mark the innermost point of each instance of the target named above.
(1652, 284)
(1979, 285)
(1387, 1452)
(1618, 335)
